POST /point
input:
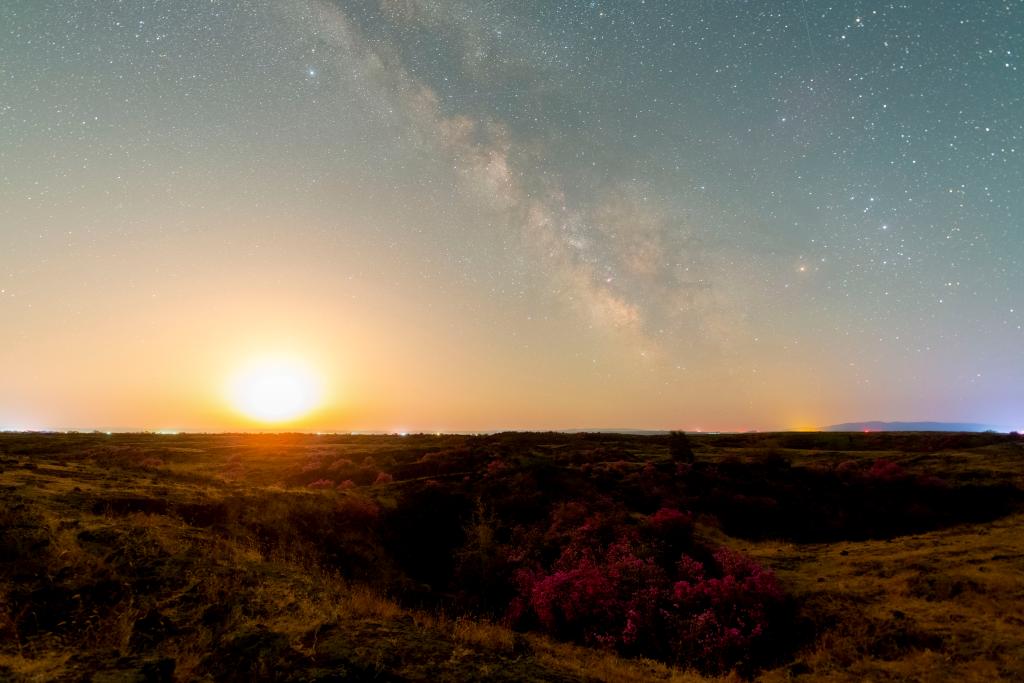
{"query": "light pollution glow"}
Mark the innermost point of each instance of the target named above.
(479, 216)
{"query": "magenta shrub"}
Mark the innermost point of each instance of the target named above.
(886, 470)
(311, 465)
(357, 510)
(609, 600)
(495, 467)
(670, 521)
(617, 595)
(716, 620)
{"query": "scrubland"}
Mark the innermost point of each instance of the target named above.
(512, 557)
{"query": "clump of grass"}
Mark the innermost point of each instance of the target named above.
(487, 634)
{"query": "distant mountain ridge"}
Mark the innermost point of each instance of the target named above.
(877, 426)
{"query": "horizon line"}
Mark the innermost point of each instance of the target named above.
(635, 431)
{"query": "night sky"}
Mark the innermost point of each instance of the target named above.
(472, 215)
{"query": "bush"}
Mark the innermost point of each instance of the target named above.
(886, 470)
(609, 599)
(679, 447)
(713, 615)
(718, 620)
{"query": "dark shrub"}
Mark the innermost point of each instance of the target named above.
(425, 531)
(679, 447)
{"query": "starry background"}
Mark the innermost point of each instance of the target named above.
(481, 214)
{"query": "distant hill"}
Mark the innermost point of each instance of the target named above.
(876, 426)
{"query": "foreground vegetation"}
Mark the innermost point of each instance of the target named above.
(511, 557)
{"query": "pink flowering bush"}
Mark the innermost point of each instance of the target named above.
(620, 595)
(312, 465)
(609, 599)
(496, 467)
(886, 470)
(717, 620)
(357, 510)
(341, 464)
(671, 522)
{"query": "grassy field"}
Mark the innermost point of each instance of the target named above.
(426, 558)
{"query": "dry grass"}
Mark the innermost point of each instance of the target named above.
(597, 665)
(43, 668)
(484, 633)
(944, 605)
(940, 606)
(361, 601)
